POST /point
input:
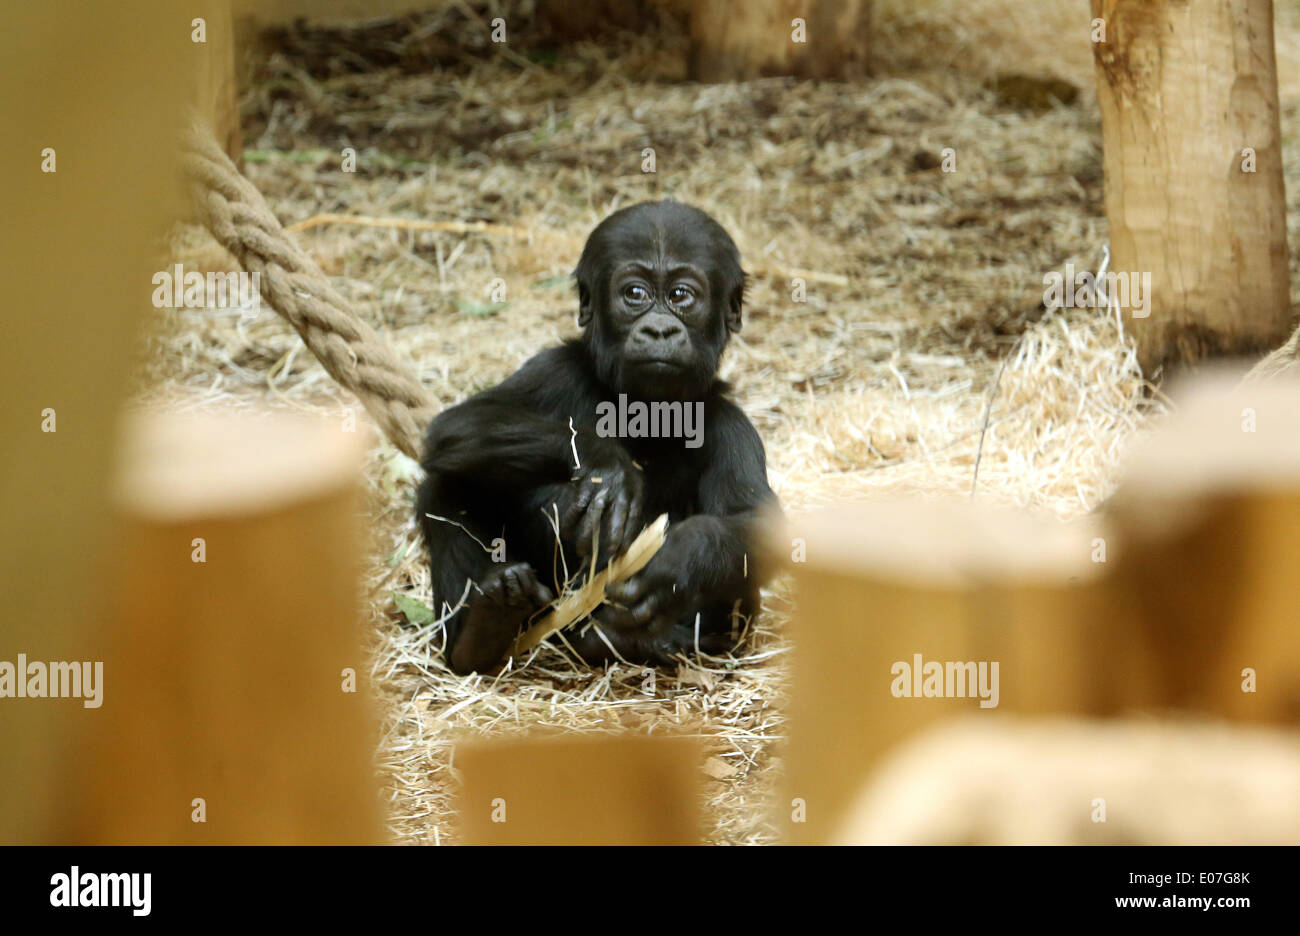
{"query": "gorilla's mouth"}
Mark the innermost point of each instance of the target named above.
(658, 379)
(653, 363)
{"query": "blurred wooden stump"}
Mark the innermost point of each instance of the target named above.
(1208, 520)
(1075, 782)
(606, 790)
(224, 678)
(91, 187)
(732, 42)
(1193, 609)
(948, 581)
(216, 95)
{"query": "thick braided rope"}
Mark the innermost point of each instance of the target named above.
(351, 351)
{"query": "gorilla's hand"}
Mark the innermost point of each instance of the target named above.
(670, 582)
(606, 496)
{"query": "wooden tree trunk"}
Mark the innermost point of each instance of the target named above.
(1185, 90)
(734, 42)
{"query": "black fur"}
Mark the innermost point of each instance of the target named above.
(660, 288)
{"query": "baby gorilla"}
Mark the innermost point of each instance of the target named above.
(660, 290)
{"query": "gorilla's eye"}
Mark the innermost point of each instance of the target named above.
(636, 294)
(681, 296)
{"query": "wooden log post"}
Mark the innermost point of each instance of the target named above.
(1208, 525)
(216, 94)
(882, 588)
(799, 38)
(604, 790)
(1193, 163)
(234, 702)
(1072, 781)
(91, 185)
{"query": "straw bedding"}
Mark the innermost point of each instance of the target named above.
(923, 303)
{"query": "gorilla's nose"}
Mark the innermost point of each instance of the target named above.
(661, 332)
(659, 329)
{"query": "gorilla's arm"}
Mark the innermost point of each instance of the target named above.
(501, 438)
(514, 440)
(713, 556)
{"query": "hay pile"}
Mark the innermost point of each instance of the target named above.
(873, 387)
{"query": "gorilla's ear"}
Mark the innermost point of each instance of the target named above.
(584, 305)
(734, 303)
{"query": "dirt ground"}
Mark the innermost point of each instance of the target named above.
(920, 285)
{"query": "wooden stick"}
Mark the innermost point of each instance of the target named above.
(576, 605)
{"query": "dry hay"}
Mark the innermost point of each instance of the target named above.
(876, 387)
(580, 601)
